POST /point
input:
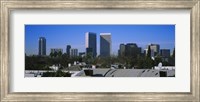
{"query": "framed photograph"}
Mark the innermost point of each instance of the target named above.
(99, 50)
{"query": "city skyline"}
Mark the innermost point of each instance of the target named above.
(58, 36)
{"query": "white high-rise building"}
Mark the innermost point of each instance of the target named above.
(42, 46)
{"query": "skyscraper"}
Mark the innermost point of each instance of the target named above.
(165, 52)
(151, 54)
(105, 44)
(132, 50)
(91, 43)
(73, 52)
(121, 50)
(42, 46)
(68, 50)
(155, 48)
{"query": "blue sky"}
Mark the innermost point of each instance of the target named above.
(58, 36)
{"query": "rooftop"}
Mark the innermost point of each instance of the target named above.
(105, 33)
(129, 73)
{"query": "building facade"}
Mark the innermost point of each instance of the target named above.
(73, 52)
(42, 46)
(68, 50)
(91, 43)
(132, 50)
(105, 44)
(121, 50)
(56, 50)
(165, 53)
(152, 52)
(89, 52)
(155, 48)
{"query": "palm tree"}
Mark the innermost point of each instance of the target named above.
(51, 54)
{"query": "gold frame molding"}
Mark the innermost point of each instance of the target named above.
(6, 6)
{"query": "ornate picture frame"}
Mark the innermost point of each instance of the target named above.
(8, 5)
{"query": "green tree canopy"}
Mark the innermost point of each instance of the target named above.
(149, 52)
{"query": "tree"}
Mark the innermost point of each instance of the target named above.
(173, 55)
(158, 59)
(171, 61)
(51, 54)
(59, 54)
(140, 62)
(149, 52)
(148, 63)
(36, 63)
(58, 73)
(55, 54)
(89, 58)
(64, 60)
